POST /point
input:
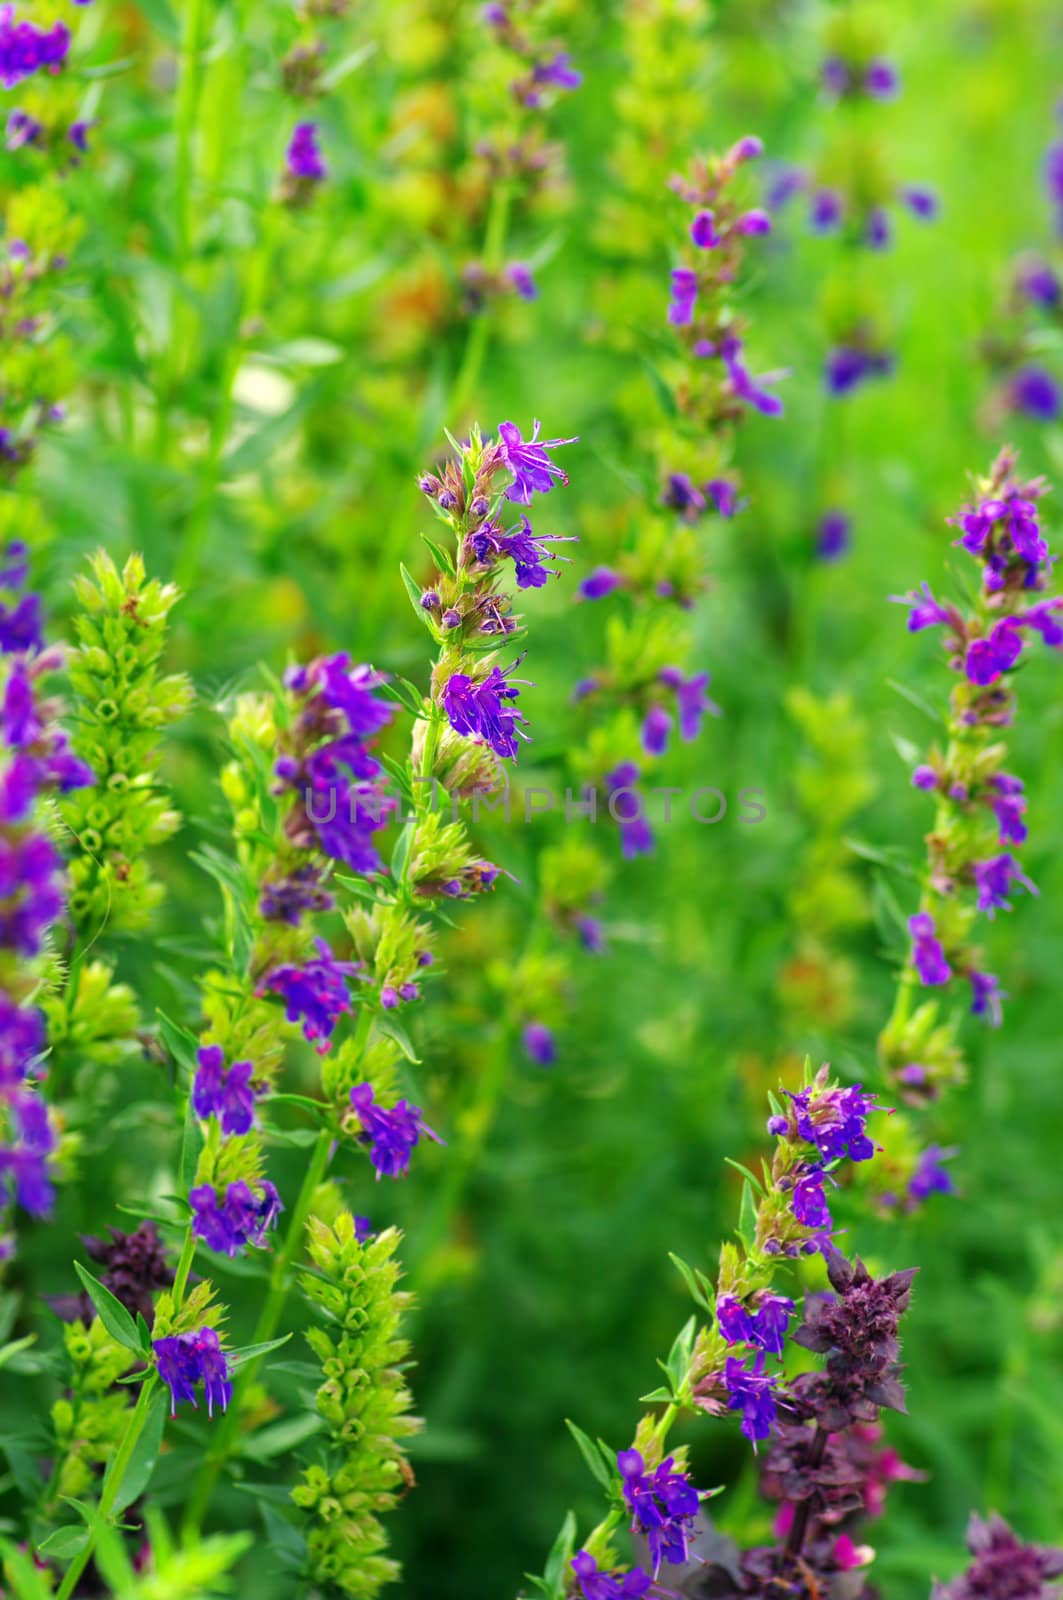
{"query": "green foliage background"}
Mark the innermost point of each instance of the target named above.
(550, 1293)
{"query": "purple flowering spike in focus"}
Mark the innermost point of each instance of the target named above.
(482, 710)
(751, 1391)
(224, 1093)
(595, 1584)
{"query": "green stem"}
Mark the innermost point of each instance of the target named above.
(265, 1329)
(112, 1484)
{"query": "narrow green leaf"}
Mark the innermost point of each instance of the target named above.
(758, 1186)
(141, 1463)
(64, 1543)
(413, 590)
(589, 1451)
(396, 1031)
(111, 1312)
(239, 1358)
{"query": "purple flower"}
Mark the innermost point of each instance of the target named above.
(880, 79)
(478, 709)
(754, 224)
(285, 899)
(1038, 282)
(529, 461)
(527, 551)
(186, 1359)
(1042, 618)
(684, 294)
(1009, 807)
(520, 276)
(986, 996)
(229, 1223)
(24, 1167)
(682, 494)
(834, 1121)
(656, 726)
(849, 365)
(808, 1202)
(625, 805)
(539, 1044)
(733, 1320)
(930, 1176)
(928, 957)
(26, 49)
(602, 581)
(925, 611)
(994, 878)
(558, 72)
(391, 1135)
(703, 233)
(303, 158)
(663, 1504)
(825, 210)
(595, 1584)
(315, 994)
(22, 1041)
(924, 777)
(691, 701)
(363, 1229)
(877, 233)
(987, 659)
(771, 1322)
(591, 935)
(745, 386)
(227, 1095)
(833, 535)
(1035, 393)
(751, 1391)
(922, 203)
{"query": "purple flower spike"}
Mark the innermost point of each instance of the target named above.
(1035, 393)
(315, 994)
(656, 726)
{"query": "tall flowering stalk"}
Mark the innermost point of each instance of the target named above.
(731, 1357)
(37, 765)
(973, 868)
(308, 833)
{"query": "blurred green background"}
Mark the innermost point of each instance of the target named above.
(551, 1294)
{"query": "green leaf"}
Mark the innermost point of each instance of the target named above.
(697, 1283)
(250, 1352)
(395, 1030)
(64, 1543)
(556, 1570)
(401, 852)
(28, 1582)
(10, 1351)
(916, 700)
(111, 1312)
(442, 558)
(141, 1463)
(413, 590)
(747, 1216)
(655, 1395)
(758, 1186)
(282, 1436)
(591, 1455)
(181, 1044)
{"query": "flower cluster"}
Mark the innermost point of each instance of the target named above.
(1003, 1565)
(464, 605)
(36, 761)
(338, 803)
(26, 49)
(663, 1504)
(980, 819)
(229, 1215)
(186, 1360)
(390, 1135)
(304, 73)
